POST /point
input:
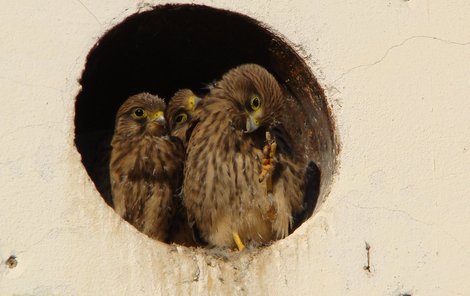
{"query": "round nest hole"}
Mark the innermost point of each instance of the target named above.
(189, 46)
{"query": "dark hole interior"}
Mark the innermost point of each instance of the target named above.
(188, 46)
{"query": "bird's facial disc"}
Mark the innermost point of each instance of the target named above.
(192, 103)
(254, 114)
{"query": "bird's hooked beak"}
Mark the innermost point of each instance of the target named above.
(197, 100)
(158, 118)
(193, 103)
(252, 123)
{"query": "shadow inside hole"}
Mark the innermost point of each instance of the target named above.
(189, 46)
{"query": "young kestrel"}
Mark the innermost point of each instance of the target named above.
(180, 112)
(146, 166)
(223, 192)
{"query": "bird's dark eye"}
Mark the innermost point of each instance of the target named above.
(255, 102)
(139, 113)
(180, 118)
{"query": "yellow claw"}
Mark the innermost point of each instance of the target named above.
(238, 241)
(272, 151)
(267, 164)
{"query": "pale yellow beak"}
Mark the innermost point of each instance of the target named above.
(252, 123)
(197, 100)
(158, 117)
(193, 102)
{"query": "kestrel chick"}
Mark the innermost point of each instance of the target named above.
(180, 111)
(223, 193)
(146, 166)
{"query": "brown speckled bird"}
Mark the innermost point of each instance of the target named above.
(146, 166)
(223, 192)
(180, 112)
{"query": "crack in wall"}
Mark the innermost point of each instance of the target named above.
(90, 12)
(387, 52)
(455, 240)
(390, 210)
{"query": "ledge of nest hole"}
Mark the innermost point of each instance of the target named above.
(189, 46)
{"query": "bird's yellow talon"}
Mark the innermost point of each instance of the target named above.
(238, 241)
(267, 168)
(272, 151)
(267, 164)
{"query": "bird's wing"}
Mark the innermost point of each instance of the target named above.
(311, 193)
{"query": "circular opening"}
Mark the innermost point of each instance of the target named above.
(189, 46)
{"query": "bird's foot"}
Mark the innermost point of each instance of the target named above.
(238, 241)
(268, 162)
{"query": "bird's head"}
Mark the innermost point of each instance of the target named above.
(141, 114)
(180, 111)
(255, 92)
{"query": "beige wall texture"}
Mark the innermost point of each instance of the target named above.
(397, 75)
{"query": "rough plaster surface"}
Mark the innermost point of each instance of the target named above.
(397, 77)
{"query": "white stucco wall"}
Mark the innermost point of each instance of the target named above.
(397, 74)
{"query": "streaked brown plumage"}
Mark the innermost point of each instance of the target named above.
(180, 112)
(146, 166)
(222, 192)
